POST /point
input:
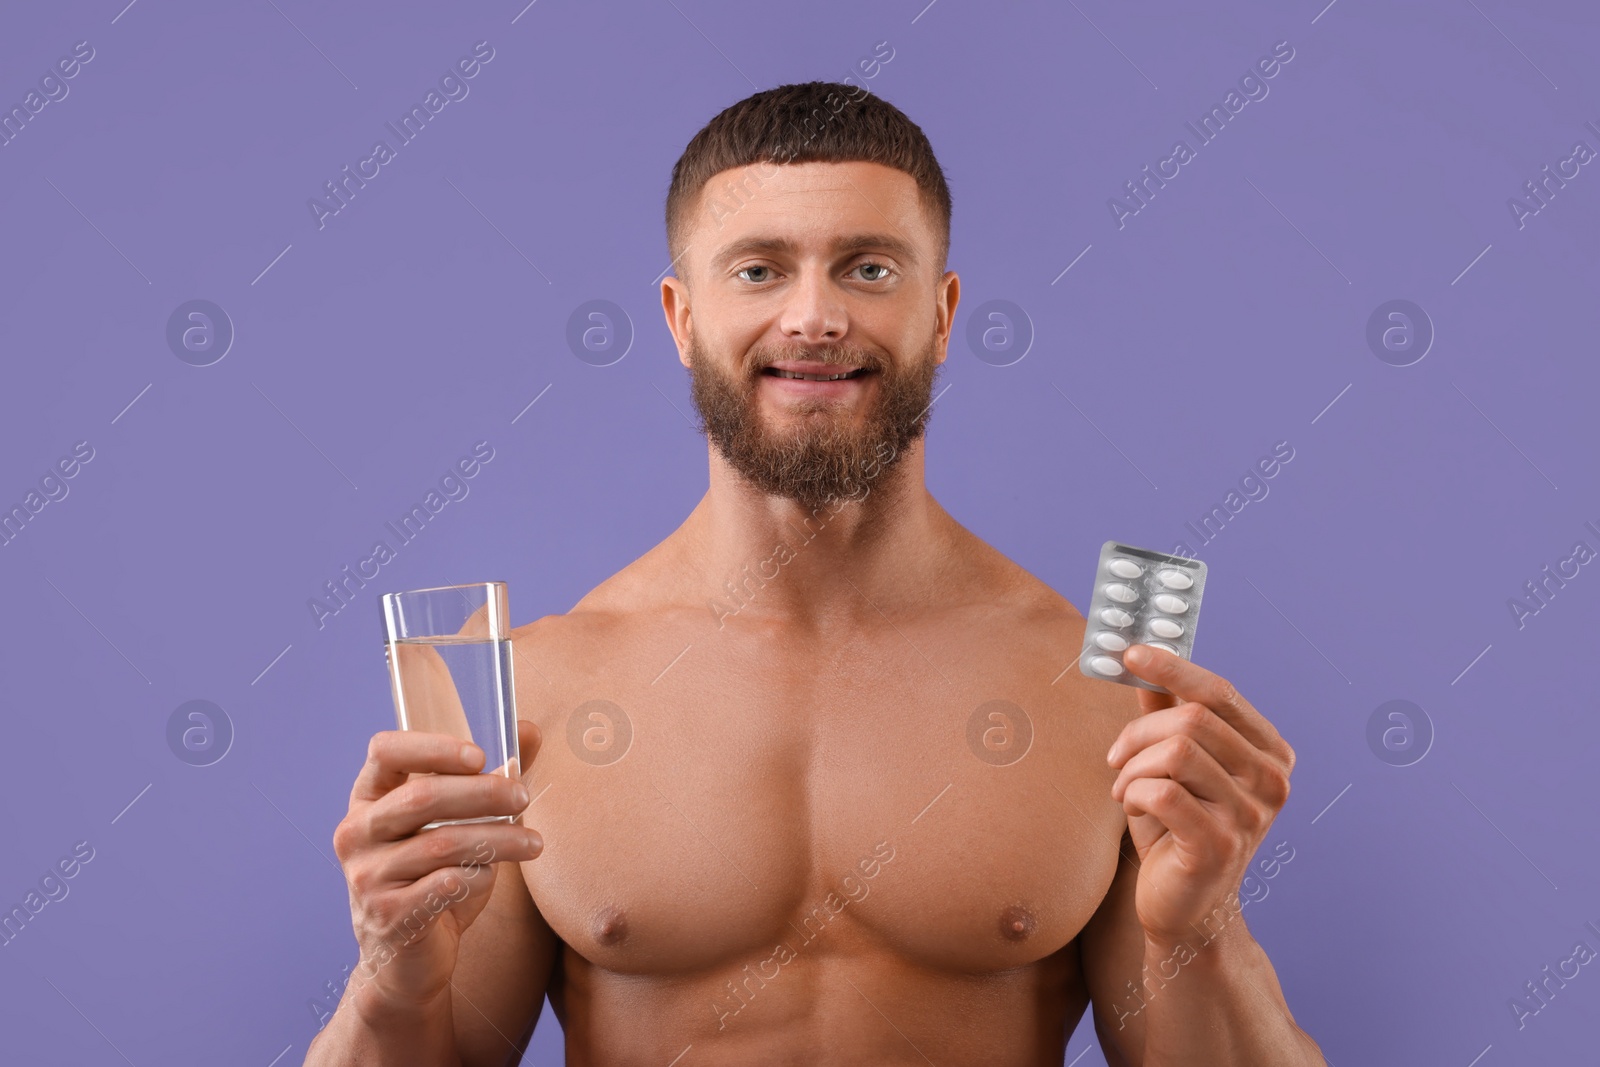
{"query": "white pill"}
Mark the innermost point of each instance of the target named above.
(1162, 645)
(1172, 605)
(1105, 665)
(1122, 594)
(1174, 579)
(1124, 568)
(1110, 642)
(1115, 617)
(1166, 628)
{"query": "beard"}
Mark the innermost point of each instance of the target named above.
(822, 458)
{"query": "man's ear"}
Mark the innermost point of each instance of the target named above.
(945, 301)
(675, 306)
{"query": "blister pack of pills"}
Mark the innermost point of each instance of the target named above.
(1141, 597)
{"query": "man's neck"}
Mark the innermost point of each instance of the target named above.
(818, 564)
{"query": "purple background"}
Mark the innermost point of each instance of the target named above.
(1229, 314)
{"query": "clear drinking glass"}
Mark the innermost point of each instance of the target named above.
(449, 653)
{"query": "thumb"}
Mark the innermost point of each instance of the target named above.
(1141, 659)
(529, 739)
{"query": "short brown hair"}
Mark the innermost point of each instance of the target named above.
(825, 122)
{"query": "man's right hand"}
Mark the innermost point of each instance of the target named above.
(413, 893)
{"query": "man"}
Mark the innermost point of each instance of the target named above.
(814, 781)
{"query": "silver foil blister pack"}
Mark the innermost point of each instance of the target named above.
(1141, 597)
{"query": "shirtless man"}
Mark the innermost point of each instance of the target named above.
(815, 779)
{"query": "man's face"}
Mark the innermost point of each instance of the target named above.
(810, 271)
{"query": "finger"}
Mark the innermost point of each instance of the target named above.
(394, 755)
(1225, 744)
(527, 747)
(1150, 701)
(1190, 681)
(529, 741)
(1181, 759)
(427, 798)
(1259, 773)
(1195, 828)
(407, 913)
(467, 847)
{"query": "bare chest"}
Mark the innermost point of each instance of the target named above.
(724, 810)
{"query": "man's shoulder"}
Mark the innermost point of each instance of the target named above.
(1032, 629)
(580, 623)
(1010, 589)
(618, 600)
(632, 600)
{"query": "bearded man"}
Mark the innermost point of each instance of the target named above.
(812, 780)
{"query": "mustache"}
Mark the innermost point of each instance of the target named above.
(832, 355)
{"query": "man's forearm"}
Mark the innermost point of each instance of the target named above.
(1217, 1003)
(362, 1033)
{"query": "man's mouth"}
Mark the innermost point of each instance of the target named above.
(813, 371)
(855, 373)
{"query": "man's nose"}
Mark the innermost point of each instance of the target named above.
(815, 310)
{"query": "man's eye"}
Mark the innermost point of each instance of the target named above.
(877, 267)
(742, 270)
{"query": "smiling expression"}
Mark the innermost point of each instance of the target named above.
(817, 323)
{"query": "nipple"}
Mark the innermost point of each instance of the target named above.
(1017, 923)
(610, 926)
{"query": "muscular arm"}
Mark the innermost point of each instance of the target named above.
(1212, 1001)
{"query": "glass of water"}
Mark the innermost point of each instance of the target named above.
(449, 653)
